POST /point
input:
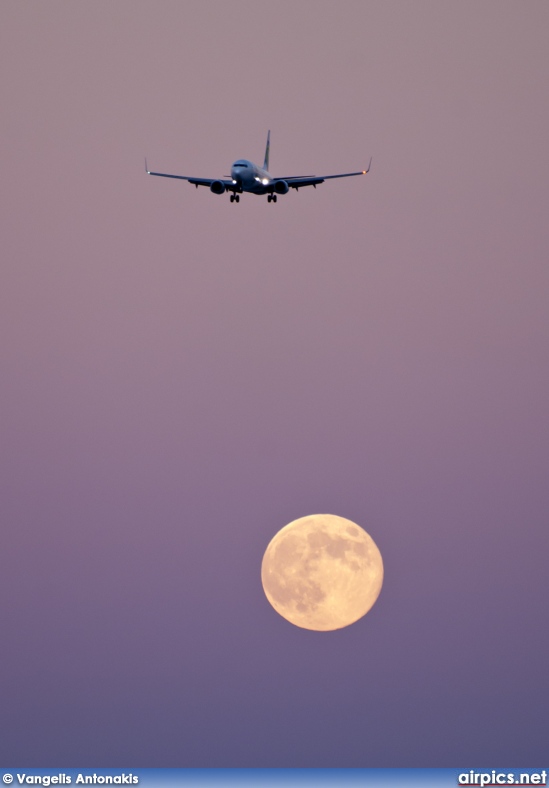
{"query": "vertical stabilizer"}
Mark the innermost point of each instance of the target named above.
(267, 149)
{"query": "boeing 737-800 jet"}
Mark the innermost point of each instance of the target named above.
(248, 177)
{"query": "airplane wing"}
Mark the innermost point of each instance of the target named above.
(195, 181)
(296, 182)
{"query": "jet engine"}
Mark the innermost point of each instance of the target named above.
(217, 187)
(281, 187)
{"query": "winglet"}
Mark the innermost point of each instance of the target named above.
(146, 168)
(267, 150)
(364, 172)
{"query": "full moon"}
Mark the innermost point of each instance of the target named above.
(322, 572)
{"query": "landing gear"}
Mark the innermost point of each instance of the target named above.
(271, 198)
(235, 198)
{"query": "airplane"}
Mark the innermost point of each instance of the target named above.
(248, 177)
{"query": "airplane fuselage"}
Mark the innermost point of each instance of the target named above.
(250, 178)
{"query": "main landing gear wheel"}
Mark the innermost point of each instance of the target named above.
(235, 198)
(271, 198)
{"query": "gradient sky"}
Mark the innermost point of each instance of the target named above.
(181, 377)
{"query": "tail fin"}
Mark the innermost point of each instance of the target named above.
(266, 162)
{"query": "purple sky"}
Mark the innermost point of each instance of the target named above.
(181, 377)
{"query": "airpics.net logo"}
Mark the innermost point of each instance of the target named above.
(485, 779)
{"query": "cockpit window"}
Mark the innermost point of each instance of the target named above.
(239, 164)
